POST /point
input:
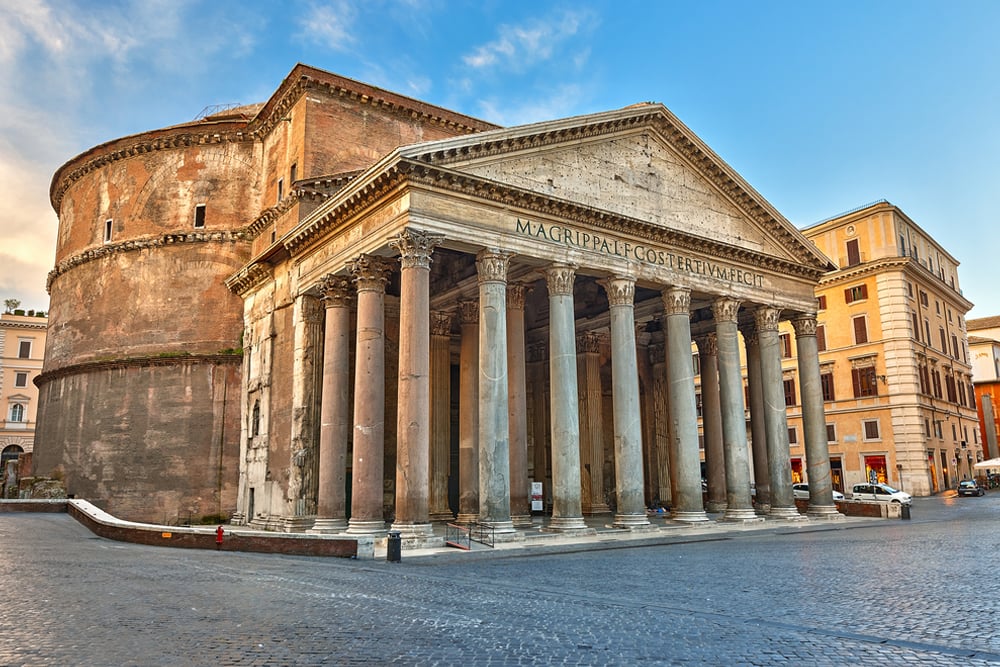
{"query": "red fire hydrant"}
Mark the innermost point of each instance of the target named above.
(218, 537)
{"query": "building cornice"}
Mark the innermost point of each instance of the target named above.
(133, 245)
(181, 136)
(303, 78)
(372, 190)
(138, 362)
(11, 324)
(897, 263)
(248, 278)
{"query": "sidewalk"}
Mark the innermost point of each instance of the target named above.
(662, 531)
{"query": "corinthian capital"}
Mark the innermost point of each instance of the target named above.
(620, 290)
(440, 323)
(468, 312)
(492, 265)
(337, 291)
(371, 273)
(515, 296)
(725, 309)
(804, 325)
(677, 301)
(708, 345)
(559, 278)
(415, 248)
(766, 318)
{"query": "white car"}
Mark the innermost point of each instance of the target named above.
(881, 493)
(801, 492)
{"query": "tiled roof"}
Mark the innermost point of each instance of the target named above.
(983, 323)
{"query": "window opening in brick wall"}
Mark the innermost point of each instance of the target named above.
(199, 216)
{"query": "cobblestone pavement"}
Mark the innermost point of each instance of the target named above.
(919, 592)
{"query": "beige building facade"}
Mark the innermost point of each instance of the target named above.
(894, 354)
(22, 345)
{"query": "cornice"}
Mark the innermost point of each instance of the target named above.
(337, 86)
(11, 324)
(137, 362)
(509, 196)
(181, 136)
(139, 244)
(897, 263)
(248, 278)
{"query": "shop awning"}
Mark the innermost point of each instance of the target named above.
(988, 463)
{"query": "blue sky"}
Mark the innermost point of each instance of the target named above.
(821, 106)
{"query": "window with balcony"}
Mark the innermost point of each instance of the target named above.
(853, 252)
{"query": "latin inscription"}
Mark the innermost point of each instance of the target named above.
(575, 238)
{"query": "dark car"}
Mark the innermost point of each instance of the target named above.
(969, 487)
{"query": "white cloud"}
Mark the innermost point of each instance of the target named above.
(561, 102)
(330, 25)
(520, 46)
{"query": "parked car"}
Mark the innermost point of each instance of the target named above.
(801, 492)
(881, 493)
(969, 487)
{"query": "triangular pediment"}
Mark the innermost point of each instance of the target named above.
(638, 163)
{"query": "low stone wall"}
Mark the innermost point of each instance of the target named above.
(103, 524)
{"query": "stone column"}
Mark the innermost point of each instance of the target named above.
(440, 415)
(567, 512)
(758, 432)
(661, 418)
(468, 414)
(517, 404)
(989, 425)
(494, 425)
(775, 421)
(631, 510)
(413, 433)
(540, 416)
(335, 416)
(684, 460)
(711, 421)
(821, 505)
(371, 274)
(588, 369)
(734, 426)
(306, 373)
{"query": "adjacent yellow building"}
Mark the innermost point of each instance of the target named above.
(22, 344)
(894, 355)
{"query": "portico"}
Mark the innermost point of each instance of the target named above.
(562, 271)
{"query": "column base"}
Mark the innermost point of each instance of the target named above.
(746, 516)
(359, 527)
(297, 524)
(413, 531)
(238, 519)
(499, 527)
(327, 526)
(824, 512)
(689, 516)
(522, 521)
(632, 522)
(466, 519)
(444, 517)
(762, 510)
(571, 524)
(715, 506)
(786, 514)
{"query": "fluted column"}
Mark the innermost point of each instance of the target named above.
(683, 409)
(440, 415)
(567, 513)
(413, 432)
(778, 463)
(494, 424)
(631, 510)
(371, 274)
(734, 426)
(335, 416)
(758, 430)
(711, 421)
(591, 396)
(821, 505)
(517, 403)
(468, 414)
(306, 374)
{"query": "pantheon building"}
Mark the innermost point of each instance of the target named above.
(345, 310)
